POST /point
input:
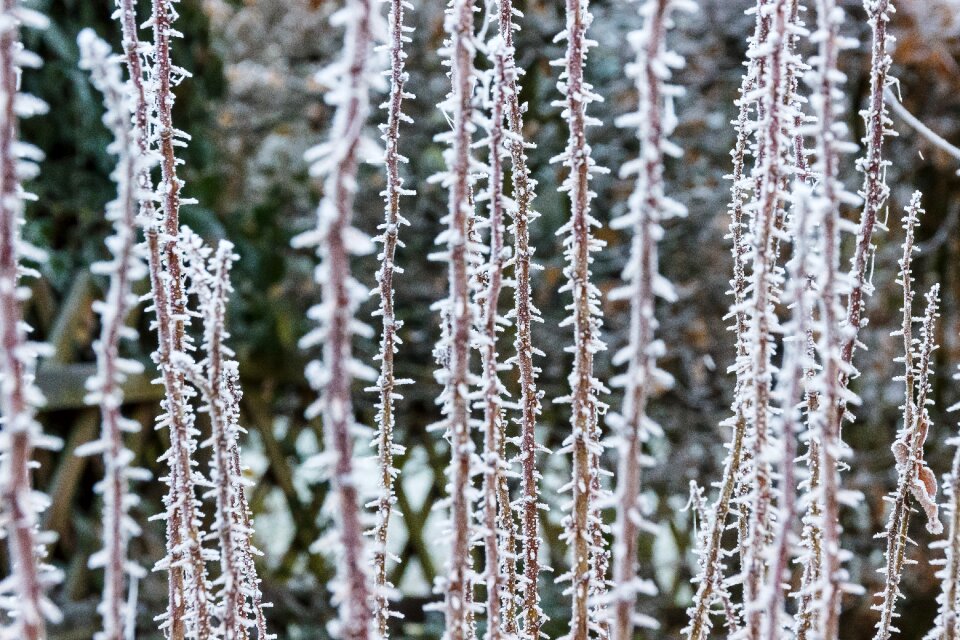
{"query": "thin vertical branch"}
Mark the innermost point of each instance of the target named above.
(105, 387)
(525, 314)
(710, 577)
(216, 376)
(243, 518)
(648, 205)
(495, 530)
(188, 612)
(336, 162)
(583, 524)
(874, 190)
(796, 361)
(824, 424)
(458, 314)
(773, 137)
(946, 626)
(914, 477)
(820, 559)
(389, 340)
(19, 397)
(141, 90)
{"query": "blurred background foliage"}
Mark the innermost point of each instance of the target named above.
(252, 108)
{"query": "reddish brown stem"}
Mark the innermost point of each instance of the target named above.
(526, 314)
(184, 527)
(18, 408)
(387, 382)
(459, 589)
(588, 584)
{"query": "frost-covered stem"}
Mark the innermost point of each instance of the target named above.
(389, 341)
(19, 398)
(790, 391)
(184, 523)
(492, 389)
(820, 537)
(769, 174)
(918, 126)
(811, 537)
(243, 517)
(212, 289)
(874, 190)
(105, 386)
(337, 162)
(223, 443)
(458, 593)
(741, 189)
(794, 73)
(914, 477)
(582, 526)
(947, 624)
(825, 425)
(163, 16)
(524, 315)
(899, 515)
(188, 613)
(648, 205)
(126, 14)
(830, 443)
(947, 618)
(217, 378)
(711, 561)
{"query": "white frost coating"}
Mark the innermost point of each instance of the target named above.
(648, 206)
(584, 527)
(336, 162)
(524, 314)
(189, 601)
(787, 423)
(22, 593)
(390, 341)
(239, 601)
(914, 477)
(458, 314)
(824, 424)
(104, 388)
(774, 133)
(496, 532)
(946, 626)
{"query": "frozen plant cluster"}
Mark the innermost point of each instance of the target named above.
(772, 560)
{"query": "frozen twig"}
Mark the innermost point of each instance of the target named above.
(189, 608)
(216, 377)
(874, 190)
(796, 361)
(336, 162)
(914, 476)
(105, 387)
(524, 315)
(915, 122)
(654, 121)
(773, 136)
(946, 626)
(583, 524)
(23, 593)
(458, 313)
(496, 522)
(389, 340)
